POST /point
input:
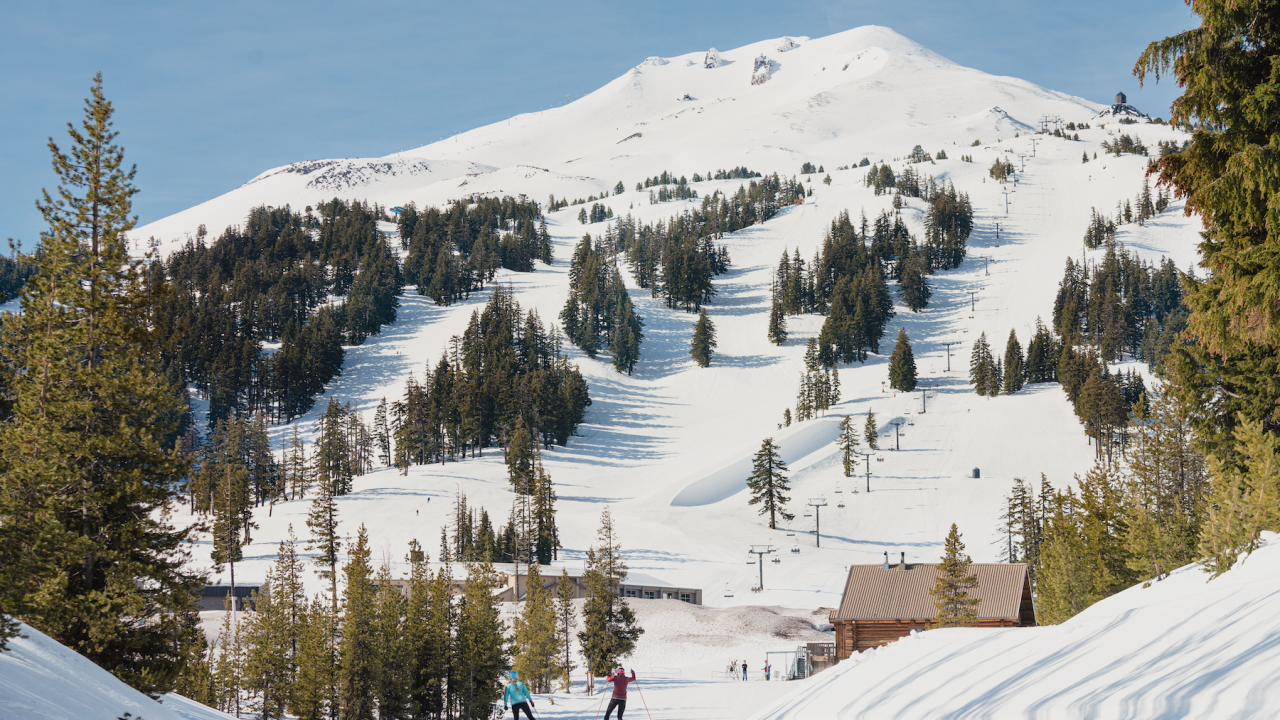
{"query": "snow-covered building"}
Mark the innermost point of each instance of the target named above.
(883, 603)
(513, 584)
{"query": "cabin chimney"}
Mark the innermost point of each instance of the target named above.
(886, 560)
(904, 559)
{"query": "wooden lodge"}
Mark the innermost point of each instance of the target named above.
(885, 602)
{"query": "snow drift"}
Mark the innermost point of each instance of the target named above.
(41, 678)
(1184, 647)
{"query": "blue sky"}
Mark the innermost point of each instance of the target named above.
(210, 94)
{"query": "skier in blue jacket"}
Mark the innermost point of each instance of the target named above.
(517, 697)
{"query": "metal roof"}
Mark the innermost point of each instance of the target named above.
(874, 593)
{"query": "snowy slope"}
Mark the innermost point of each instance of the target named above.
(42, 679)
(1186, 647)
(667, 447)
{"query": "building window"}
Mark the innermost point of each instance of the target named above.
(649, 595)
(632, 593)
(668, 596)
(686, 597)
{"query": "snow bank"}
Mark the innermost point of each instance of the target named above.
(1184, 647)
(41, 678)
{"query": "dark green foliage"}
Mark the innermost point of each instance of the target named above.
(87, 553)
(677, 260)
(359, 662)
(1125, 144)
(609, 627)
(14, 272)
(777, 324)
(902, 364)
(269, 282)
(1000, 170)
(768, 483)
(1120, 305)
(1042, 356)
(984, 373)
(598, 312)
(505, 369)
(808, 168)
(914, 282)
(819, 386)
(703, 344)
(1015, 370)
(453, 251)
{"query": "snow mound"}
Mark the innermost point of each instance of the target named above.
(1184, 647)
(787, 44)
(731, 477)
(763, 71)
(712, 59)
(654, 61)
(41, 678)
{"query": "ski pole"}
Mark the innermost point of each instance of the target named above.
(646, 705)
(600, 706)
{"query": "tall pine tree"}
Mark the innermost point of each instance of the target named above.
(902, 364)
(86, 473)
(768, 484)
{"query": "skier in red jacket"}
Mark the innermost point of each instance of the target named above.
(619, 699)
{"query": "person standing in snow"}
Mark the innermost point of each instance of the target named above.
(518, 697)
(619, 699)
(744, 670)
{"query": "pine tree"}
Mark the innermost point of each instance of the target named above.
(86, 474)
(609, 627)
(390, 646)
(847, 441)
(564, 627)
(777, 324)
(956, 608)
(358, 656)
(1014, 370)
(704, 340)
(1243, 498)
(480, 654)
(325, 543)
(768, 483)
(520, 455)
(871, 431)
(902, 364)
(272, 633)
(228, 662)
(546, 537)
(314, 691)
(381, 433)
(537, 639)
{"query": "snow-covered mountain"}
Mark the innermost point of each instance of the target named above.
(667, 446)
(867, 92)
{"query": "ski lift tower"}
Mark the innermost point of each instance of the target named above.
(817, 504)
(760, 551)
(897, 444)
(866, 455)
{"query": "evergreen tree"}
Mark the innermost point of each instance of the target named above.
(609, 627)
(381, 433)
(391, 647)
(1014, 370)
(847, 441)
(537, 638)
(1243, 498)
(777, 324)
(314, 696)
(359, 655)
(564, 627)
(480, 654)
(871, 431)
(273, 633)
(956, 608)
(704, 340)
(902, 364)
(913, 279)
(768, 483)
(520, 455)
(983, 374)
(228, 664)
(325, 543)
(86, 473)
